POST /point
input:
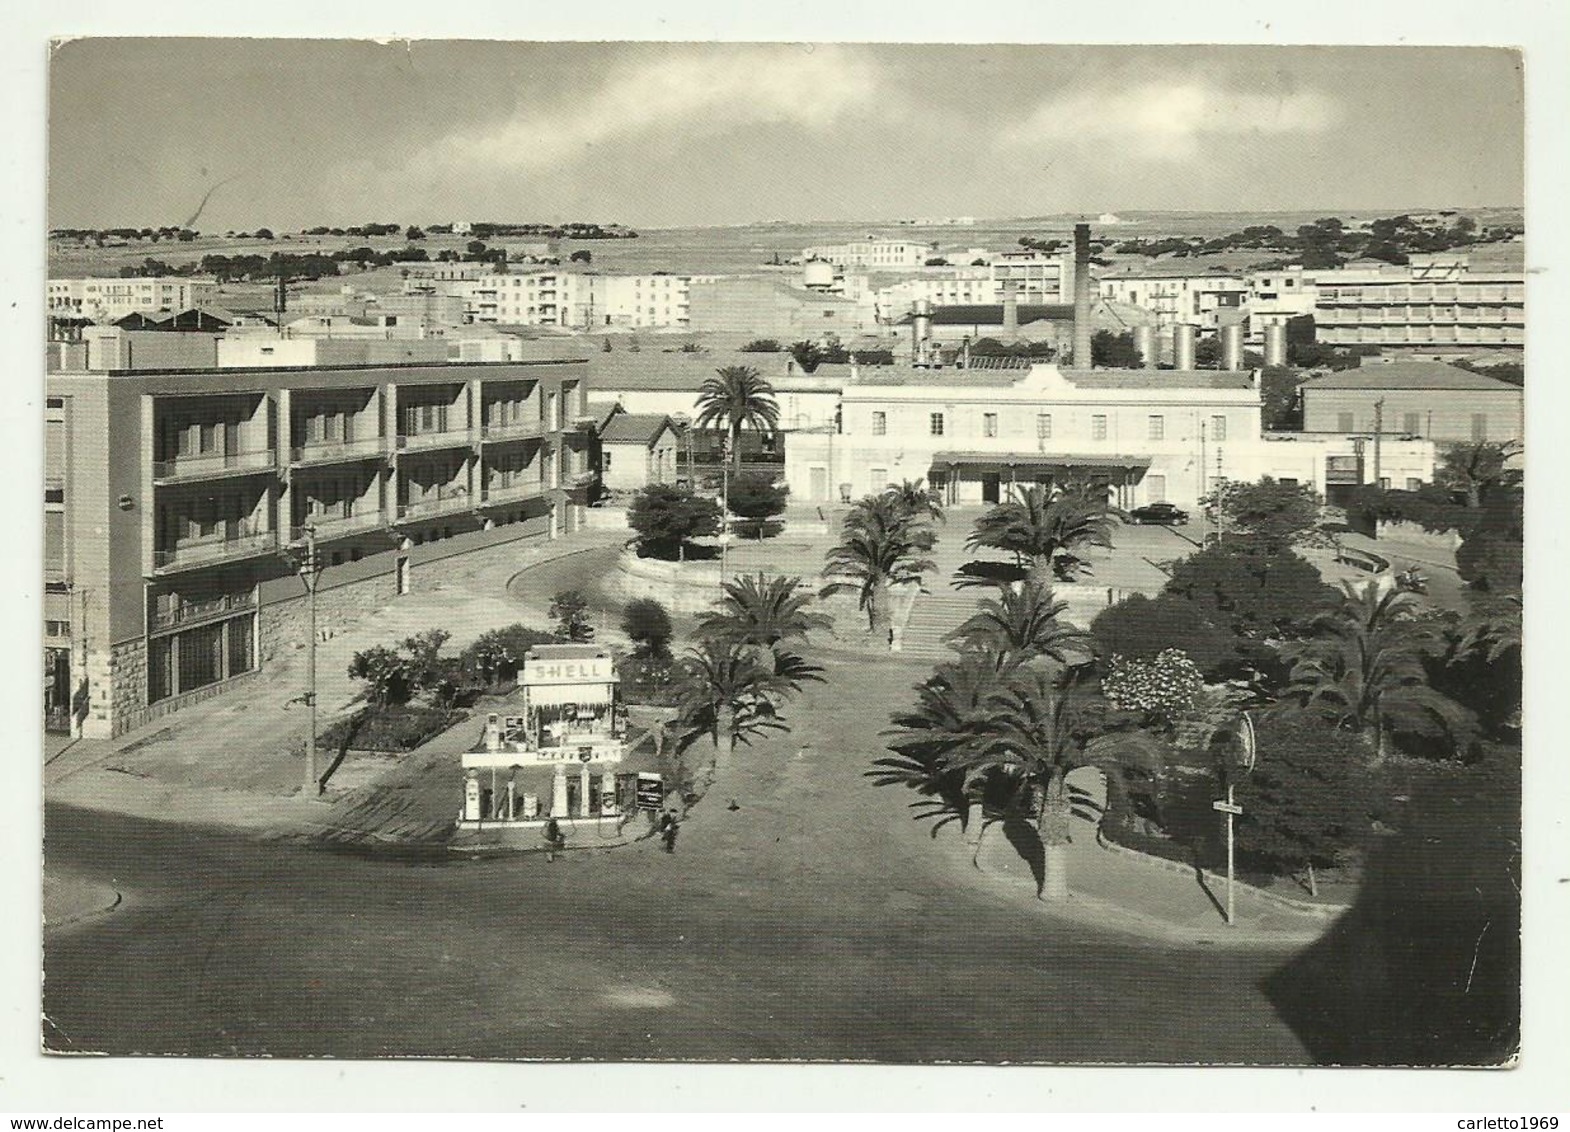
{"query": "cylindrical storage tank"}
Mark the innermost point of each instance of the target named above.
(817, 273)
(1145, 343)
(1232, 347)
(1275, 344)
(1183, 347)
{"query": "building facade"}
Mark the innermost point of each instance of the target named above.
(1426, 399)
(1180, 300)
(177, 506)
(1150, 436)
(874, 253)
(105, 300)
(1032, 279)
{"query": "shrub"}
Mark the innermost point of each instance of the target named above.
(570, 610)
(666, 518)
(648, 624)
(387, 675)
(762, 346)
(1139, 628)
(756, 499)
(495, 656)
(1162, 688)
(648, 678)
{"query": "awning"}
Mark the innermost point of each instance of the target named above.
(1035, 460)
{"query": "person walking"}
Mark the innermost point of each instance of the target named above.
(669, 828)
(555, 841)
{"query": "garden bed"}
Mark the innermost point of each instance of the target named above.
(394, 729)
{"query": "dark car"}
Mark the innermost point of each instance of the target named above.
(1164, 514)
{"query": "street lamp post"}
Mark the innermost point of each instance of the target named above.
(310, 570)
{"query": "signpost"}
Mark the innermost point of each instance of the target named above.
(1232, 811)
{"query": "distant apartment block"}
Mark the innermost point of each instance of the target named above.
(177, 505)
(1034, 280)
(873, 253)
(105, 300)
(1178, 300)
(1429, 305)
(1434, 303)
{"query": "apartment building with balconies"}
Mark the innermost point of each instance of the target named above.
(178, 506)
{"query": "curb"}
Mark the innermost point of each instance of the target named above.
(1287, 903)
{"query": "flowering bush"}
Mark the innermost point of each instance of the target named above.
(1164, 687)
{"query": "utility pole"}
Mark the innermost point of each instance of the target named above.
(1379, 428)
(1202, 459)
(310, 570)
(724, 507)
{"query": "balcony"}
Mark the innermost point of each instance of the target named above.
(192, 612)
(513, 493)
(211, 552)
(446, 501)
(515, 430)
(330, 527)
(430, 441)
(336, 451)
(214, 465)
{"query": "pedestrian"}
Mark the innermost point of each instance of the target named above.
(669, 828)
(554, 840)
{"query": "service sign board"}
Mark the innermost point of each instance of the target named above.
(582, 670)
(651, 793)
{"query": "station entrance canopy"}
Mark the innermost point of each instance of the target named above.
(1036, 462)
(998, 472)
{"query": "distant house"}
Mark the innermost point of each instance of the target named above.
(1432, 400)
(636, 449)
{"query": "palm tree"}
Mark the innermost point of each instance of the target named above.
(1042, 530)
(1364, 668)
(950, 710)
(917, 499)
(880, 548)
(762, 611)
(1034, 735)
(732, 692)
(734, 396)
(1023, 623)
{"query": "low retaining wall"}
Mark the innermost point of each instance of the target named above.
(682, 587)
(1327, 911)
(1415, 535)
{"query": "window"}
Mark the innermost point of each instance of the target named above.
(880, 423)
(1158, 427)
(605, 461)
(1218, 428)
(1479, 426)
(1384, 483)
(1043, 426)
(1411, 423)
(989, 424)
(1343, 422)
(1098, 427)
(935, 423)
(1413, 483)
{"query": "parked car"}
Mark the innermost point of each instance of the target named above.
(1164, 514)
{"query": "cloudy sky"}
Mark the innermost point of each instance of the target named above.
(331, 132)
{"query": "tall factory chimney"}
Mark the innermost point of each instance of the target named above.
(921, 332)
(1082, 295)
(1010, 311)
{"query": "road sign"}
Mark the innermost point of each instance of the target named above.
(1226, 807)
(1250, 747)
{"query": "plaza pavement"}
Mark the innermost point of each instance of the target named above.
(801, 800)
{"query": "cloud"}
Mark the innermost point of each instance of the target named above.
(683, 94)
(1169, 120)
